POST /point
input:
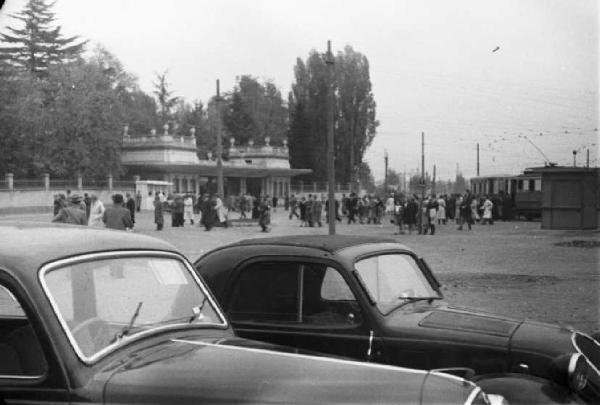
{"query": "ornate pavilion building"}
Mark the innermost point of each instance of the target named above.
(172, 161)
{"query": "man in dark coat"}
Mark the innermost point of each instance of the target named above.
(159, 219)
(117, 216)
(410, 214)
(130, 206)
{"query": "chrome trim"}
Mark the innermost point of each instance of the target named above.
(108, 255)
(21, 377)
(473, 395)
(574, 343)
(316, 358)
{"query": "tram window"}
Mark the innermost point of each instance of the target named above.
(538, 185)
(520, 186)
(531, 185)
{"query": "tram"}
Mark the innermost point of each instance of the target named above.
(525, 191)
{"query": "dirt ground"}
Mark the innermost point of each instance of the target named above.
(511, 268)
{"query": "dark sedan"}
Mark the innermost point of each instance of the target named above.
(100, 316)
(375, 300)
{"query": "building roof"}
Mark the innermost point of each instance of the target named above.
(211, 169)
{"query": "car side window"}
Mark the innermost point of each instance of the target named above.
(328, 300)
(20, 352)
(293, 293)
(266, 292)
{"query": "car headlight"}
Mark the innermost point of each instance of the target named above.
(570, 370)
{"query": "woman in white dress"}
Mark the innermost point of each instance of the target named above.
(441, 212)
(96, 212)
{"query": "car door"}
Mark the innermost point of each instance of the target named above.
(308, 305)
(28, 370)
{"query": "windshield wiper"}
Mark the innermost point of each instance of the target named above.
(127, 328)
(410, 300)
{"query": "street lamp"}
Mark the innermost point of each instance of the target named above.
(574, 156)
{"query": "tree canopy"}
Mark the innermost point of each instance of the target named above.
(255, 111)
(38, 44)
(354, 114)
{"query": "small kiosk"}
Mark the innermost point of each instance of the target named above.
(570, 197)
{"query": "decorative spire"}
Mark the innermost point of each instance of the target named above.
(192, 132)
(166, 128)
(231, 142)
(153, 132)
(126, 131)
(267, 140)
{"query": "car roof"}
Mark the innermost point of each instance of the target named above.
(327, 243)
(25, 246)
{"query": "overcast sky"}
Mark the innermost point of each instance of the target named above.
(432, 66)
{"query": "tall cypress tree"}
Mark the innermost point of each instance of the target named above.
(38, 44)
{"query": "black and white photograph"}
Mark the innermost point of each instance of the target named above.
(299, 202)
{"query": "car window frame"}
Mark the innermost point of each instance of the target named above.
(87, 257)
(421, 264)
(18, 292)
(240, 267)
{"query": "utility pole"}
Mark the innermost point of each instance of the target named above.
(477, 160)
(433, 182)
(330, 156)
(385, 177)
(220, 190)
(422, 184)
(587, 161)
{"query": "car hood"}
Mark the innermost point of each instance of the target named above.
(235, 370)
(519, 340)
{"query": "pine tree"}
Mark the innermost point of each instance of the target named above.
(163, 95)
(39, 44)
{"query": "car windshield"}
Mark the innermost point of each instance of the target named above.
(107, 300)
(394, 280)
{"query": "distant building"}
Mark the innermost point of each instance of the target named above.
(257, 170)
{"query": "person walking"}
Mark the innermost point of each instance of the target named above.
(432, 209)
(410, 214)
(302, 207)
(130, 206)
(159, 218)
(96, 212)
(441, 211)
(88, 204)
(71, 212)
(188, 209)
(487, 211)
(138, 201)
(399, 216)
(293, 207)
(265, 214)
(220, 210)
(317, 208)
(117, 216)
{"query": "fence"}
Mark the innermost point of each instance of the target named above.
(19, 196)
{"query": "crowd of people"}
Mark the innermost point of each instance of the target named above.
(71, 208)
(408, 212)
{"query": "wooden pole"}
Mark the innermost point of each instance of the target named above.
(330, 155)
(220, 188)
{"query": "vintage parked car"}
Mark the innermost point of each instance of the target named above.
(374, 299)
(101, 316)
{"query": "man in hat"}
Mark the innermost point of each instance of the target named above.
(71, 213)
(117, 216)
